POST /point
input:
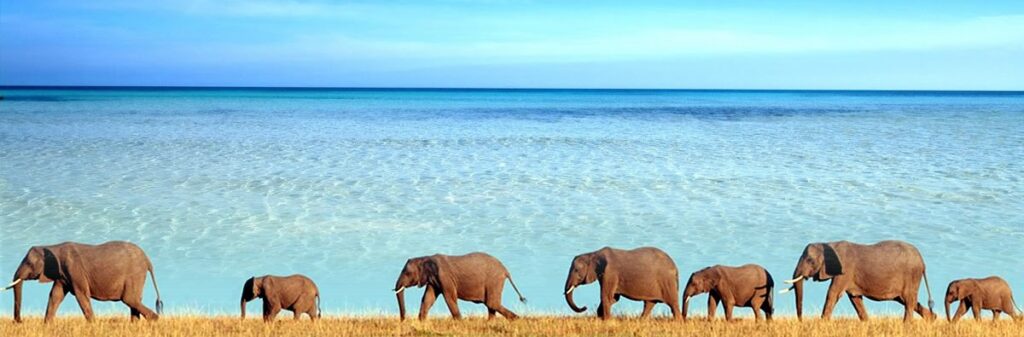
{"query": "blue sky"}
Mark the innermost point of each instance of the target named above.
(465, 43)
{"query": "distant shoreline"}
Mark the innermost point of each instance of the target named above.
(498, 89)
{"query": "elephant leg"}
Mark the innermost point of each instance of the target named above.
(976, 310)
(728, 305)
(712, 306)
(995, 315)
(452, 300)
(493, 303)
(673, 304)
(1009, 310)
(830, 300)
(858, 304)
(139, 309)
(270, 310)
(960, 310)
(312, 313)
(756, 303)
(924, 312)
(85, 304)
(57, 294)
(909, 306)
(429, 296)
(508, 314)
(648, 306)
(600, 307)
(607, 298)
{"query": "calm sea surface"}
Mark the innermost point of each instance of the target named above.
(345, 185)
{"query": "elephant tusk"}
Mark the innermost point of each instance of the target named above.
(399, 290)
(9, 286)
(783, 291)
(570, 290)
(794, 280)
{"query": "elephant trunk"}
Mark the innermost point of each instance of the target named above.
(243, 307)
(572, 304)
(948, 301)
(687, 293)
(799, 288)
(400, 294)
(569, 299)
(19, 279)
(17, 302)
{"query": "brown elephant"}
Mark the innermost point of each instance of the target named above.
(749, 285)
(295, 293)
(112, 271)
(990, 293)
(644, 274)
(884, 271)
(475, 277)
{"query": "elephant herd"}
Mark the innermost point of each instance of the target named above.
(884, 271)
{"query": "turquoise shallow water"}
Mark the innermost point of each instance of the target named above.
(345, 185)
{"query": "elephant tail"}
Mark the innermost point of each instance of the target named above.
(509, 277)
(1020, 314)
(159, 303)
(771, 292)
(319, 311)
(931, 303)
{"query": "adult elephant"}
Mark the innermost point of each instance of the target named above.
(884, 271)
(112, 271)
(644, 274)
(475, 277)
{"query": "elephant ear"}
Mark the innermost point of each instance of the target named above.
(249, 290)
(833, 264)
(433, 274)
(599, 263)
(52, 268)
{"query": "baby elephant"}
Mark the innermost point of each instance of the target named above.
(296, 293)
(990, 293)
(746, 286)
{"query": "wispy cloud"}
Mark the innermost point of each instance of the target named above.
(369, 36)
(986, 32)
(239, 8)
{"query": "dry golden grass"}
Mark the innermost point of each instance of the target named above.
(543, 326)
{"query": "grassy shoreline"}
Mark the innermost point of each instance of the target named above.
(116, 326)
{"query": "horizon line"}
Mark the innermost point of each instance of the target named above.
(455, 88)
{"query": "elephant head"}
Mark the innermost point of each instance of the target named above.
(418, 272)
(40, 263)
(960, 290)
(585, 269)
(700, 282)
(252, 289)
(819, 262)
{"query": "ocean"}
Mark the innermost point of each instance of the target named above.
(343, 185)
